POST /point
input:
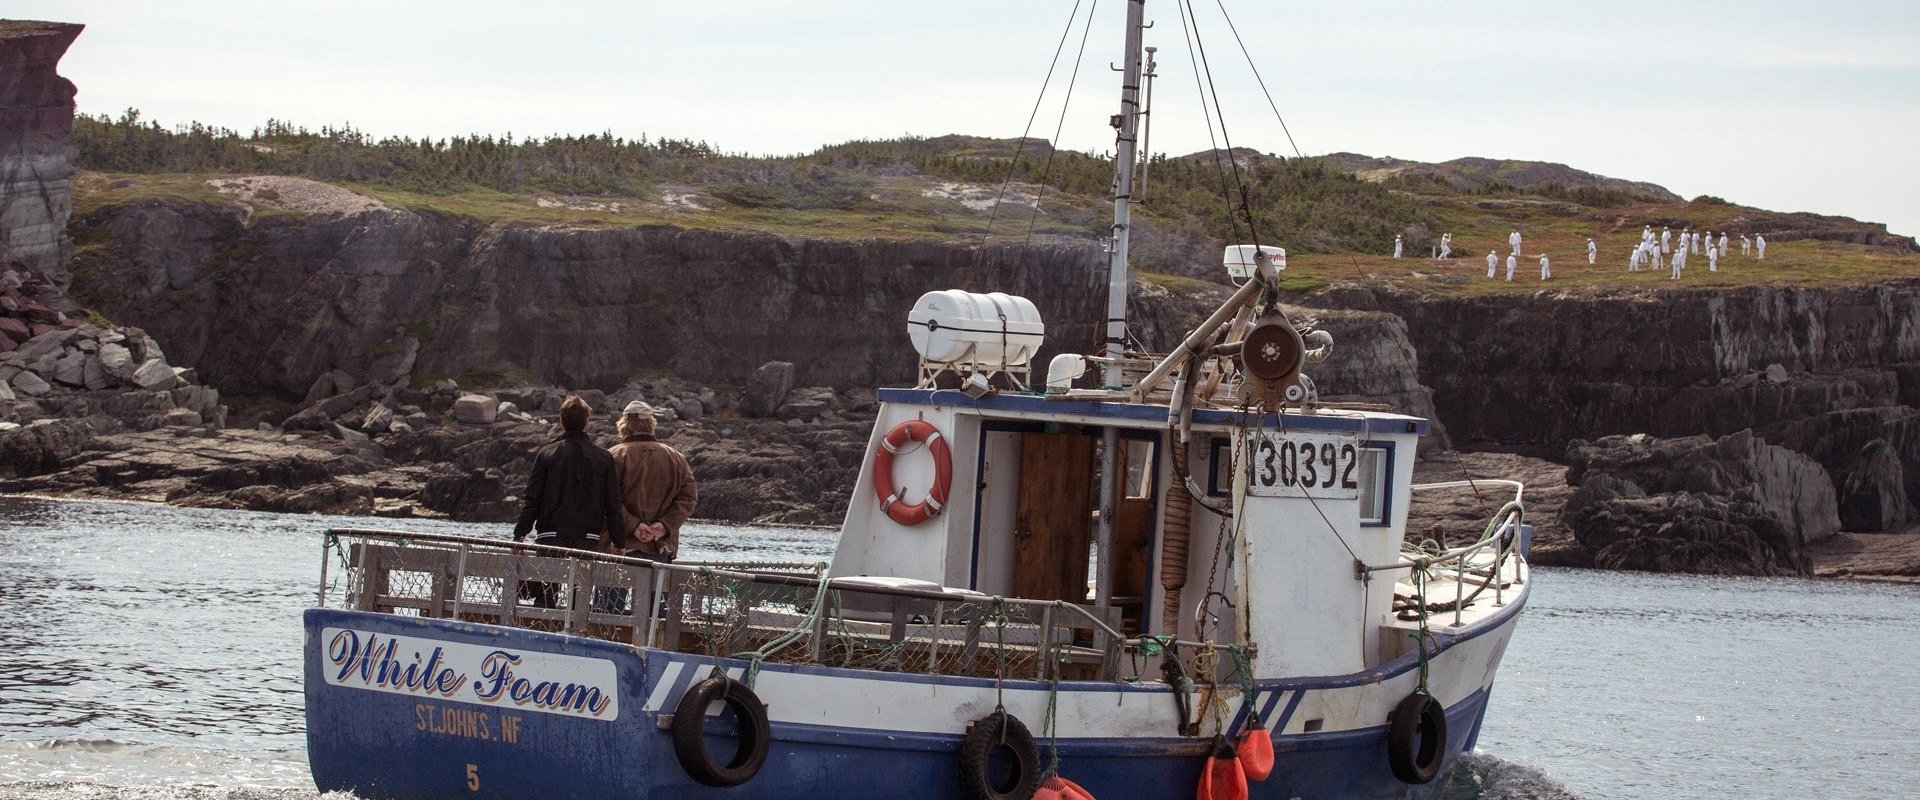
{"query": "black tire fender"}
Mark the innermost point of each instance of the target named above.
(689, 732)
(999, 729)
(1417, 738)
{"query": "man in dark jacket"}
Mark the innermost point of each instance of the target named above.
(573, 496)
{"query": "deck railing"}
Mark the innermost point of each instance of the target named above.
(1467, 564)
(765, 612)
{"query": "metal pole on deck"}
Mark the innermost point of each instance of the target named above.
(1126, 152)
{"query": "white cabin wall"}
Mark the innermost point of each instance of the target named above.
(999, 510)
(871, 543)
(1382, 545)
(1306, 609)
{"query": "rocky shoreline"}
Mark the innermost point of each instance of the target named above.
(396, 452)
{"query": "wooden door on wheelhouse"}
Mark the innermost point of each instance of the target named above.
(1053, 529)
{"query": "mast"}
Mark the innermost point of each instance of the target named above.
(1126, 152)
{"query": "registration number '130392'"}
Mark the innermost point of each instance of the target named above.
(1295, 464)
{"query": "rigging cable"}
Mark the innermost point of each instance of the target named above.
(1256, 77)
(994, 214)
(1233, 223)
(1246, 202)
(1053, 148)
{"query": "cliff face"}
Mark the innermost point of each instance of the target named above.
(36, 146)
(1541, 370)
(269, 307)
(1829, 372)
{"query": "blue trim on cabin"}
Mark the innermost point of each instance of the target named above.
(1156, 414)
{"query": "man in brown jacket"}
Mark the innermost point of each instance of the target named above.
(657, 490)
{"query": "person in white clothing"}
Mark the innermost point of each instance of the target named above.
(1593, 251)
(1514, 240)
(1723, 244)
(1693, 244)
(1633, 261)
(1760, 246)
(1746, 245)
(1679, 260)
(1666, 243)
(1713, 258)
(1397, 246)
(1446, 246)
(1512, 262)
(1546, 271)
(1493, 262)
(1646, 234)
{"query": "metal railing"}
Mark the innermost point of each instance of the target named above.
(773, 612)
(1501, 536)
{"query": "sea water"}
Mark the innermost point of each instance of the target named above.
(153, 652)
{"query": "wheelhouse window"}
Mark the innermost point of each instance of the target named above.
(1375, 467)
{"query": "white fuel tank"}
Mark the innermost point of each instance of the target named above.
(993, 330)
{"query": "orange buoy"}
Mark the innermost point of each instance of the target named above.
(913, 430)
(1061, 788)
(1256, 752)
(1224, 778)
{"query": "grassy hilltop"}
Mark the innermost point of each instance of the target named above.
(1336, 215)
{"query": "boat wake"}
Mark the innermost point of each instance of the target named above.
(1485, 777)
(1479, 777)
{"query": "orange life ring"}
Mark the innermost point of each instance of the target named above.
(896, 440)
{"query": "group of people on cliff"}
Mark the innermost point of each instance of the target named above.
(630, 500)
(1650, 251)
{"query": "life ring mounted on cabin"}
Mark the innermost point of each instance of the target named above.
(893, 444)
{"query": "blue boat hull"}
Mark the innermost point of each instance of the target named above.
(382, 744)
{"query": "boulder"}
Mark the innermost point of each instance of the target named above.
(690, 409)
(150, 349)
(136, 404)
(117, 360)
(202, 400)
(329, 384)
(396, 366)
(41, 447)
(181, 418)
(350, 436)
(340, 404)
(43, 344)
(71, 369)
(155, 375)
(379, 419)
(1733, 505)
(6, 392)
(94, 374)
(806, 403)
(767, 389)
(1873, 496)
(31, 385)
(313, 418)
(476, 409)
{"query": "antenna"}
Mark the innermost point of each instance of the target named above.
(1146, 133)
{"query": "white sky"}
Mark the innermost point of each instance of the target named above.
(1796, 106)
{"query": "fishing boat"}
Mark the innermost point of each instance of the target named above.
(1135, 575)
